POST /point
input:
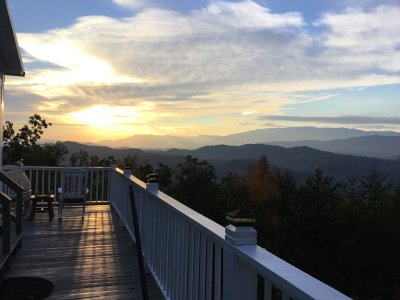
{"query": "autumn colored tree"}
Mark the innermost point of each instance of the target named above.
(261, 181)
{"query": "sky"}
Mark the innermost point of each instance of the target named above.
(108, 69)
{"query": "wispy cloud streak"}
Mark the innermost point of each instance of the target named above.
(335, 120)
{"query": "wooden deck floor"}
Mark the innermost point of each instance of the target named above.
(93, 259)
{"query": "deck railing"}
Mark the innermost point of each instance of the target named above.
(11, 239)
(190, 258)
(45, 179)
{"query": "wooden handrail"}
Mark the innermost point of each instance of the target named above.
(18, 190)
(10, 183)
(9, 245)
(6, 220)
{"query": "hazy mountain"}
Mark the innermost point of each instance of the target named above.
(249, 137)
(142, 156)
(387, 147)
(160, 142)
(299, 133)
(301, 160)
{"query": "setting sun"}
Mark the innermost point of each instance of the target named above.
(104, 115)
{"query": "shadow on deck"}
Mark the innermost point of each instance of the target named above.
(93, 259)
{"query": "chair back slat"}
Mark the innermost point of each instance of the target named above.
(75, 183)
(74, 187)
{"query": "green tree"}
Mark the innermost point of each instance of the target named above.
(131, 161)
(350, 188)
(80, 159)
(145, 168)
(374, 186)
(281, 205)
(164, 173)
(106, 161)
(314, 229)
(48, 154)
(195, 185)
(23, 144)
(233, 193)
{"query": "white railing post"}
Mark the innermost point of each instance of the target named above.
(152, 184)
(113, 186)
(239, 279)
(127, 170)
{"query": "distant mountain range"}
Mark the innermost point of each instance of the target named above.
(301, 160)
(339, 152)
(331, 139)
(387, 147)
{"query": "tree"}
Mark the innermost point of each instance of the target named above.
(145, 168)
(80, 159)
(24, 144)
(83, 159)
(164, 173)
(282, 207)
(263, 187)
(233, 194)
(49, 154)
(131, 161)
(374, 186)
(315, 228)
(195, 185)
(262, 183)
(350, 188)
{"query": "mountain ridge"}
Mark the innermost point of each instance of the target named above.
(301, 160)
(267, 135)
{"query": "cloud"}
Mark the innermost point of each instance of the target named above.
(222, 45)
(246, 14)
(248, 112)
(130, 4)
(217, 58)
(367, 3)
(336, 120)
(363, 38)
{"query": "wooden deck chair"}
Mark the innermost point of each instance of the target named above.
(73, 190)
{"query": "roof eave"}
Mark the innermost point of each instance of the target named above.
(9, 49)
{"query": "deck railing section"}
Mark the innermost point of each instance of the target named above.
(190, 258)
(45, 179)
(10, 238)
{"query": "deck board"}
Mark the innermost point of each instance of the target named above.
(93, 259)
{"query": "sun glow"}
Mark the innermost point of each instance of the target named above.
(104, 115)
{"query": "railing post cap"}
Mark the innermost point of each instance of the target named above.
(127, 170)
(240, 235)
(151, 183)
(113, 164)
(240, 217)
(240, 230)
(151, 177)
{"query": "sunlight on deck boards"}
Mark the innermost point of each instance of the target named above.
(93, 259)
